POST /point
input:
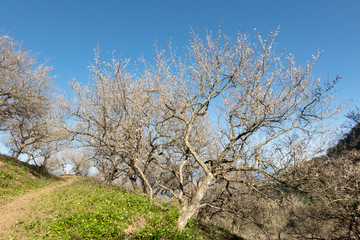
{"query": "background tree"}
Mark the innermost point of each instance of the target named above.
(71, 161)
(57, 164)
(351, 138)
(327, 199)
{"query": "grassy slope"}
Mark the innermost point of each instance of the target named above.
(92, 210)
(17, 177)
(88, 209)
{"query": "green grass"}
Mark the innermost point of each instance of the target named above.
(87, 209)
(17, 177)
(92, 210)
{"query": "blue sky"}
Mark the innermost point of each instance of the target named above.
(66, 32)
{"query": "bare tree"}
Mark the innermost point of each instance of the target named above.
(259, 98)
(230, 110)
(254, 206)
(327, 198)
(354, 116)
(26, 109)
(115, 117)
(79, 160)
(39, 135)
(24, 85)
(349, 139)
(24, 133)
(57, 164)
(71, 161)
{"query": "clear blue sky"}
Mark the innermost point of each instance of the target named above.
(67, 31)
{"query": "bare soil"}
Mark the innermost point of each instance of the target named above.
(139, 223)
(19, 209)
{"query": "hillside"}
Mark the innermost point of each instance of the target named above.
(82, 208)
(17, 178)
(350, 141)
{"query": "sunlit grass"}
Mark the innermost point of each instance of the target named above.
(17, 178)
(88, 209)
(93, 210)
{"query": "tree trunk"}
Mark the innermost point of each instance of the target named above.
(148, 189)
(191, 210)
(132, 178)
(17, 155)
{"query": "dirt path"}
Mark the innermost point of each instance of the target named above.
(18, 208)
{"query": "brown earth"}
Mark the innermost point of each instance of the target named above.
(18, 209)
